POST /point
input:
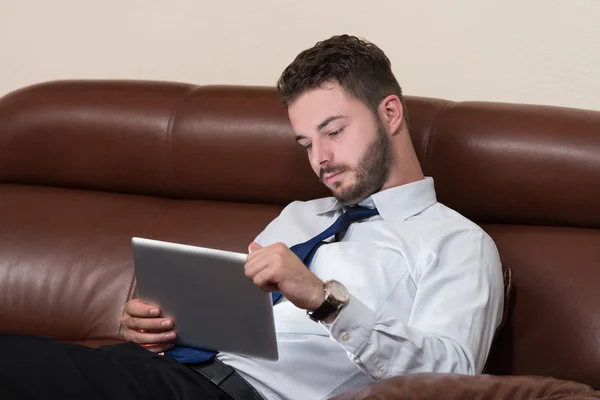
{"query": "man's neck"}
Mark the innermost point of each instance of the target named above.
(405, 167)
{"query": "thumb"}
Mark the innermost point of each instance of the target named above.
(253, 247)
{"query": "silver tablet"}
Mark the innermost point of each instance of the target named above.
(213, 305)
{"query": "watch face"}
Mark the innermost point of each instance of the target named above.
(338, 291)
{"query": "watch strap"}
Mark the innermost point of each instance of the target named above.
(325, 310)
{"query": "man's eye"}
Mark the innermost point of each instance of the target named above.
(335, 133)
(308, 146)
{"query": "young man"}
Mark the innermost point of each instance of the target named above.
(399, 284)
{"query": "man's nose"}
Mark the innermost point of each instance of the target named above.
(321, 154)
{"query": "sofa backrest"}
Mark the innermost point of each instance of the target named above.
(86, 165)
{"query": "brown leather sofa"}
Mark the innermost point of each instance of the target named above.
(86, 165)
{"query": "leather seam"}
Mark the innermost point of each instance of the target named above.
(161, 213)
(169, 138)
(433, 131)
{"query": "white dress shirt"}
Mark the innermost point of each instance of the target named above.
(426, 296)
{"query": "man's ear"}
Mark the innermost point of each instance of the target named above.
(391, 113)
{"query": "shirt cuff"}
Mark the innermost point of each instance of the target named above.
(353, 326)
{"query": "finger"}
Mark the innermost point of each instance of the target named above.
(149, 338)
(258, 263)
(157, 348)
(272, 248)
(136, 308)
(157, 325)
(253, 247)
(257, 253)
(273, 255)
(251, 269)
(266, 281)
(271, 252)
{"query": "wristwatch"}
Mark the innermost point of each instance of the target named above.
(336, 297)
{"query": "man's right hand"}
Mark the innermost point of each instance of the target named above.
(142, 324)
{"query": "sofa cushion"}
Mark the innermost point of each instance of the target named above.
(553, 322)
(66, 264)
(459, 387)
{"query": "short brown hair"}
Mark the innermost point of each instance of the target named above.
(361, 68)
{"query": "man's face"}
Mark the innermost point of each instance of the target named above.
(347, 145)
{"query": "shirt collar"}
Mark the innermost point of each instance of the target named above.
(402, 201)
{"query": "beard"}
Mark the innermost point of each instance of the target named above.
(370, 174)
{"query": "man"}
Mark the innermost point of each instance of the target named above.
(405, 286)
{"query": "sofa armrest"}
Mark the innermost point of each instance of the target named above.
(453, 386)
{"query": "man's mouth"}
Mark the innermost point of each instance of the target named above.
(332, 177)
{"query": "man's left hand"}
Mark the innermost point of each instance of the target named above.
(276, 267)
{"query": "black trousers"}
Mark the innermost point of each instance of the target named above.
(43, 368)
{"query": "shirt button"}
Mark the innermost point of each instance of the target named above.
(379, 373)
(345, 336)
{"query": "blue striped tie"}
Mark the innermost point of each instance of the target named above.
(305, 252)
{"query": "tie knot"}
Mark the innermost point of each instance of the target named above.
(359, 213)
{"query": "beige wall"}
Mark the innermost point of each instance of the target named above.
(533, 51)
